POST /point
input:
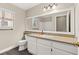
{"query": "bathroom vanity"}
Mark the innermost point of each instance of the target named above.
(43, 44)
(52, 33)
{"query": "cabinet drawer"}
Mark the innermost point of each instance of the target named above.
(67, 47)
(43, 41)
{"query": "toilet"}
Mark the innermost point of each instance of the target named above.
(22, 45)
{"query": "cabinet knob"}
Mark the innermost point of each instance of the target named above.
(51, 49)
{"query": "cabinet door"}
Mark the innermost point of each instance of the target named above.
(66, 47)
(32, 45)
(32, 48)
(43, 49)
(59, 52)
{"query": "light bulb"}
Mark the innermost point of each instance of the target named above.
(48, 8)
(44, 9)
(54, 6)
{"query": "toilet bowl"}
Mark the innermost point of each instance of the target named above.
(22, 45)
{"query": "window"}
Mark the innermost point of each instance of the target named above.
(6, 19)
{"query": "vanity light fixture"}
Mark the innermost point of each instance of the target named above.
(50, 7)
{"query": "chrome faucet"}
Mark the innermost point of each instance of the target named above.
(42, 32)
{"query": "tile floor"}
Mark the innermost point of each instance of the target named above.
(16, 52)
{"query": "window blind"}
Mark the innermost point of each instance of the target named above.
(6, 18)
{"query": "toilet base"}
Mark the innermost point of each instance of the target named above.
(21, 48)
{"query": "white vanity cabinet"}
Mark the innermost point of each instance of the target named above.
(31, 45)
(41, 46)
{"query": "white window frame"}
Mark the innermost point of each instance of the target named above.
(7, 19)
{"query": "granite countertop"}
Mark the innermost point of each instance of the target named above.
(68, 40)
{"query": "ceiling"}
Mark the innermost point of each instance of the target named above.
(25, 6)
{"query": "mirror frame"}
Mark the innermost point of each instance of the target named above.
(59, 11)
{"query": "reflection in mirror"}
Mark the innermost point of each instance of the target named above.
(63, 22)
(46, 23)
(59, 22)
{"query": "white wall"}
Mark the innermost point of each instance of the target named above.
(10, 37)
(37, 10)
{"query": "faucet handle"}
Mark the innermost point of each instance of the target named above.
(42, 31)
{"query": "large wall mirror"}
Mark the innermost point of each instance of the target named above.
(55, 22)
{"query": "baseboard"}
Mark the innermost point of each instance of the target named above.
(7, 49)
